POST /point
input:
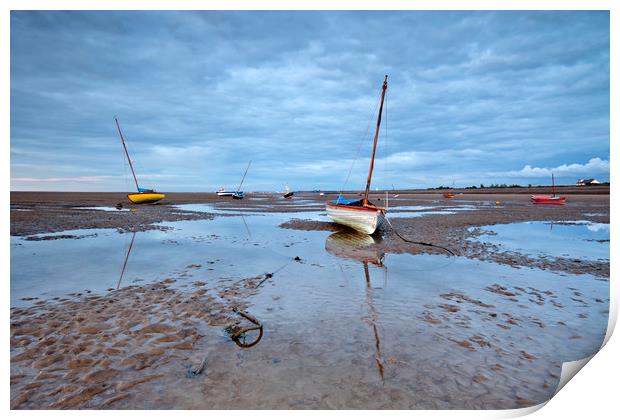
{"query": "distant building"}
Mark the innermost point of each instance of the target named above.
(591, 181)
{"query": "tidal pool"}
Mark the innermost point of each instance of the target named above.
(583, 240)
(345, 325)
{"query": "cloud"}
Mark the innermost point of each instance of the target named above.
(593, 166)
(200, 93)
(74, 179)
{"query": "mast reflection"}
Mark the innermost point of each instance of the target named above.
(358, 246)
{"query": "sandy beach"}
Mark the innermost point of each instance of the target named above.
(346, 322)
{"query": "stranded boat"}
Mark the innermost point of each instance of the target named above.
(549, 199)
(360, 214)
(144, 195)
(223, 193)
(238, 195)
(287, 192)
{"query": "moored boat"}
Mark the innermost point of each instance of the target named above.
(144, 195)
(287, 192)
(549, 199)
(223, 193)
(361, 214)
(238, 194)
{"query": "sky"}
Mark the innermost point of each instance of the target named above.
(473, 98)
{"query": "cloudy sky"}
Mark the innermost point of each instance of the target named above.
(473, 97)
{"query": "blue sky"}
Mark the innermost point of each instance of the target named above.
(473, 97)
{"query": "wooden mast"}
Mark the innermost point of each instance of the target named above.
(127, 154)
(552, 184)
(374, 146)
(246, 172)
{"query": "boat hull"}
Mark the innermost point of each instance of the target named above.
(225, 193)
(547, 199)
(362, 219)
(145, 198)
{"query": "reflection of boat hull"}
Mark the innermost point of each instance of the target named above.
(145, 198)
(361, 218)
(354, 246)
(548, 199)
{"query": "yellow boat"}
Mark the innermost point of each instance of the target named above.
(144, 195)
(145, 198)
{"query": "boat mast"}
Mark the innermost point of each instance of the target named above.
(374, 146)
(553, 184)
(246, 171)
(127, 154)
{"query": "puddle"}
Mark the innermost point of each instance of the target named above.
(256, 210)
(577, 240)
(103, 208)
(345, 326)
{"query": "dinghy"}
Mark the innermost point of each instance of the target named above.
(238, 195)
(549, 199)
(144, 195)
(361, 214)
(287, 192)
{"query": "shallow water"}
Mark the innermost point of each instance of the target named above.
(345, 326)
(102, 208)
(579, 240)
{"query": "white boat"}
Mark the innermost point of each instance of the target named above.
(223, 193)
(354, 214)
(360, 214)
(238, 194)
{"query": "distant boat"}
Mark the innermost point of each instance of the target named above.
(549, 199)
(360, 214)
(449, 194)
(287, 192)
(238, 195)
(144, 195)
(223, 193)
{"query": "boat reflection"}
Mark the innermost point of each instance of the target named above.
(358, 246)
(120, 279)
(353, 245)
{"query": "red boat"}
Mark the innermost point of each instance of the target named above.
(549, 199)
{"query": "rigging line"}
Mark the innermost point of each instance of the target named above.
(359, 147)
(385, 144)
(124, 167)
(416, 242)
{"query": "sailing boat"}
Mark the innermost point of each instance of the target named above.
(239, 194)
(449, 194)
(549, 199)
(287, 192)
(144, 195)
(360, 215)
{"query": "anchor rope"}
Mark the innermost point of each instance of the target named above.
(417, 242)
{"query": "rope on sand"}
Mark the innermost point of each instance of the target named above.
(237, 333)
(416, 242)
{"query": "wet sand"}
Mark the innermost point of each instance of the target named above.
(496, 340)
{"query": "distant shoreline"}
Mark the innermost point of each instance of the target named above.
(544, 189)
